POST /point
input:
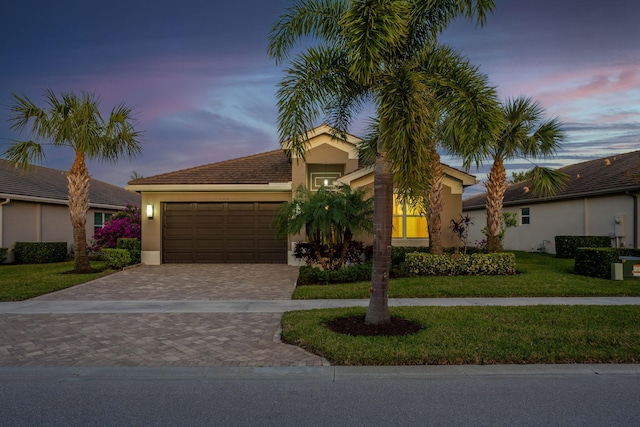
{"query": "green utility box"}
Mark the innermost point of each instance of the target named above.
(630, 267)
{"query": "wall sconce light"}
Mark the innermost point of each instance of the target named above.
(150, 211)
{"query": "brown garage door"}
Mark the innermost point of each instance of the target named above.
(221, 232)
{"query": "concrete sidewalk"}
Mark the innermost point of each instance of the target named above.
(35, 306)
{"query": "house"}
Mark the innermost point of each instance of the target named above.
(34, 206)
(222, 212)
(600, 199)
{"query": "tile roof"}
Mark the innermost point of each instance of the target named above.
(263, 168)
(608, 175)
(42, 182)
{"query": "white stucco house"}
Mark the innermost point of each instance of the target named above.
(600, 199)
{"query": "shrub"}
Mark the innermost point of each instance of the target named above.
(125, 224)
(116, 258)
(399, 253)
(596, 262)
(134, 247)
(423, 264)
(39, 252)
(357, 253)
(3, 254)
(566, 246)
(350, 273)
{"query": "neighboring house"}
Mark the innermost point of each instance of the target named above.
(600, 199)
(34, 206)
(222, 212)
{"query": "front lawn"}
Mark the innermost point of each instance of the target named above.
(478, 335)
(23, 281)
(539, 275)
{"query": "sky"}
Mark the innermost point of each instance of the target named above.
(204, 89)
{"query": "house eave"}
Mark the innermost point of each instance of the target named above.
(35, 199)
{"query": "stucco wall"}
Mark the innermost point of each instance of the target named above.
(152, 227)
(23, 221)
(595, 216)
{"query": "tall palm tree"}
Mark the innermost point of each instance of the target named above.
(73, 121)
(525, 134)
(368, 51)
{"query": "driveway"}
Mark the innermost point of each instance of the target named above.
(187, 282)
(159, 338)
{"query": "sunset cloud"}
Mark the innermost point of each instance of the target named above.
(204, 88)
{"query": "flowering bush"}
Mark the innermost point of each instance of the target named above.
(481, 244)
(124, 224)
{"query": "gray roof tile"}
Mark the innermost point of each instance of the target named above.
(263, 168)
(42, 182)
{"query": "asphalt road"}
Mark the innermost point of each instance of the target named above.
(322, 396)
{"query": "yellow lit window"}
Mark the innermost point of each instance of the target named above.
(408, 223)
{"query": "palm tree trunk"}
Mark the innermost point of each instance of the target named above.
(496, 186)
(378, 312)
(434, 211)
(78, 182)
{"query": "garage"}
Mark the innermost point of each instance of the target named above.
(221, 232)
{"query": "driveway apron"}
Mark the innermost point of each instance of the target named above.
(157, 338)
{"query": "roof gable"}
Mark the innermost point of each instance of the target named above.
(51, 185)
(607, 175)
(324, 134)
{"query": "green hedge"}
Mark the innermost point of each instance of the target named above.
(39, 252)
(350, 273)
(134, 247)
(116, 258)
(399, 253)
(423, 264)
(3, 254)
(596, 262)
(566, 246)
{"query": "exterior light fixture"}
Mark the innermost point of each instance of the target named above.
(150, 211)
(326, 182)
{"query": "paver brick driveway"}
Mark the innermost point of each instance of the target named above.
(159, 339)
(187, 282)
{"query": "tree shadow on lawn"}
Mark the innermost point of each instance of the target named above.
(355, 326)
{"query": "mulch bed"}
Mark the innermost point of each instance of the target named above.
(355, 326)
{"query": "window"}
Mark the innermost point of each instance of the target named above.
(525, 216)
(408, 223)
(320, 175)
(99, 218)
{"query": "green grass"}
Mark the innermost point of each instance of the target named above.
(539, 275)
(478, 335)
(23, 281)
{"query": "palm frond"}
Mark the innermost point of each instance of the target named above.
(546, 182)
(472, 118)
(432, 17)
(315, 79)
(319, 19)
(22, 154)
(375, 32)
(407, 127)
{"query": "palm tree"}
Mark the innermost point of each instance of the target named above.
(368, 51)
(330, 217)
(73, 121)
(525, 134)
